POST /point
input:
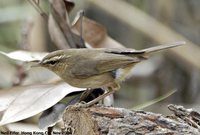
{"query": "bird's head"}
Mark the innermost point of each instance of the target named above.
(55, 61)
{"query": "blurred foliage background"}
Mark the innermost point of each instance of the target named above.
(151, 79)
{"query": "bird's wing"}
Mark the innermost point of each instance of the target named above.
(101, 62)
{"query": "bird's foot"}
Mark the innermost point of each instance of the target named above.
(81, 104)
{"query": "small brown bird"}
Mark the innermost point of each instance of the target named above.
(97, 67)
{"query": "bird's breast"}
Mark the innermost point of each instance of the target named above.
(95, 81)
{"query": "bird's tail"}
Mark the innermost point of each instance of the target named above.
(162, 47)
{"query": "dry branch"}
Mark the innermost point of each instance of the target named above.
(118, 121)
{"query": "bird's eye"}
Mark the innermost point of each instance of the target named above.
(51, 62)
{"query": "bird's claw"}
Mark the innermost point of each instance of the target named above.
(82, 104)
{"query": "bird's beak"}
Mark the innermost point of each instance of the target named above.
(38, 64)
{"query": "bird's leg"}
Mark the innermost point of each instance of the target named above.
(98, 99)
(111, 90)
(85, 94)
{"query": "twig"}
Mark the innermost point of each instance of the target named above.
(38, 9)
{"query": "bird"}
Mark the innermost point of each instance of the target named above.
(98, 67)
